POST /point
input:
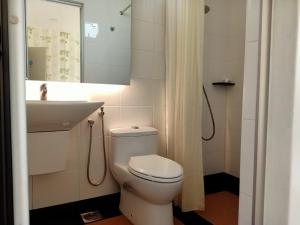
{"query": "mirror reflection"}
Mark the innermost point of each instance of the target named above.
(53, 41)
(79, 41)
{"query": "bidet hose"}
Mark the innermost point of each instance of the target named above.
(91, 123)
(211, 116)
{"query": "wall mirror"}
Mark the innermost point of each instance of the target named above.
(79, 41)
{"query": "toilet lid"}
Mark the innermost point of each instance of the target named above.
(155, 168)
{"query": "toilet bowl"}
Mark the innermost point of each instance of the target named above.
(148, 181)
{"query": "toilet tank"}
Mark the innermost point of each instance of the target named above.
(136, 141)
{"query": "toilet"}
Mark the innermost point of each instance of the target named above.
(148, 181)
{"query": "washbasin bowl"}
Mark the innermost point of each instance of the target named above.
(49, 116)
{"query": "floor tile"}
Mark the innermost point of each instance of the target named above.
(221, 208)
(122, 220)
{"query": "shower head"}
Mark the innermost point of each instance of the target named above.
(206, 9)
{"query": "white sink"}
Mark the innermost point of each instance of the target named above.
(57, 115)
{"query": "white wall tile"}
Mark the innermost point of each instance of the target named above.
(109, 185)
(112, 118)
(225, 18)
(159, 65)
(159, 38)
(213, 158)
(85, 126)
(142, 35)
(247, 157)
(245, 209)
(139, 93)
(280, 188)
(253, 20)
(249, 111)
(136, 116)
(250, 80)
(232, 152)
(143, 10)
(220, 48)
(109, 94)
(142, 63)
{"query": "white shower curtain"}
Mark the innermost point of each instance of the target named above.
(184, 72)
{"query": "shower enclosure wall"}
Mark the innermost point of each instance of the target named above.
(224, 59)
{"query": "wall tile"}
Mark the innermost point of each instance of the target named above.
(159, 66)
(250, 80)
(159, 91)
(245, 209)
(142, 35)
(112, 118)
(159, 112)
(159, 38)
(109, 94)
(232, 152)
(223, 48)
(253, 20)
(247, 156)
(213, 158)
(225, 18)
(144, 10)
(139, 93)
(136, 116)
(85, 127)
(142, 63)
(109, 186)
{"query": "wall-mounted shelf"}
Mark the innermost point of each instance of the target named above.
(224, 83)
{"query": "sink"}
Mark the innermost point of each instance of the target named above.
(50, 116)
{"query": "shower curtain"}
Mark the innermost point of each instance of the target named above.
(184, 72)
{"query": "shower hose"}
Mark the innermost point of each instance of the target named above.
(91, 123)
(211, 117)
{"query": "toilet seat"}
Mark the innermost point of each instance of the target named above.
(155, 168)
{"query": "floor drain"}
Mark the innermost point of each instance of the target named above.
(92, 216)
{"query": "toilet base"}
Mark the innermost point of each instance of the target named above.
(141, 212)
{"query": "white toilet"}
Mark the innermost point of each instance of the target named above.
(148, 182)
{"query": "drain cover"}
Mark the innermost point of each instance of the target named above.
(92, 216)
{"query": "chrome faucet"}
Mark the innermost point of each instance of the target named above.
(43, 91)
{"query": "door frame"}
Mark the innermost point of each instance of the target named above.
(6, 177)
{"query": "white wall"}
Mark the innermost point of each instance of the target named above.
(249, 111)
(141, 103)
(282, 157)
(224, 58)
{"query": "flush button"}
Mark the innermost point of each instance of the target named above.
(135, 127)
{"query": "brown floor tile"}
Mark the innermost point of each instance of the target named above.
(221, 208)
(122, 220)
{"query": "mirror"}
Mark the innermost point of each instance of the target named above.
(79, 41)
